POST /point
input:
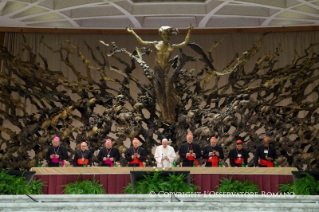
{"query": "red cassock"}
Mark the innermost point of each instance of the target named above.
(187, 148)
(267, 163)
(136, 161)
(214, 160)
(80, 161)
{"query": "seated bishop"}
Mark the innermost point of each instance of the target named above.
(108, 155)
(189, 152)
(265, 154)
(238, 157)
(83, 156)
(136, 155)
(56, 154)
(213, 153)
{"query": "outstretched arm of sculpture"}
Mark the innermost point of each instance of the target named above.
(139, 39)
(186, 39)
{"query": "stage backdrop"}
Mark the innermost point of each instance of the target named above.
(233, 86)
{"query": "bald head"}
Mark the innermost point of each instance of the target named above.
(189, 138)
(84, 146)
(136, 142)
(56, 141)
(108, 143)
(213, 141)
(164, 142)
(266, 142)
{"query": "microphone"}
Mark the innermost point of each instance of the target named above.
(131, 157)
(162, 161)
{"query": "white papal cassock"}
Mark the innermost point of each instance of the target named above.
(161, 152)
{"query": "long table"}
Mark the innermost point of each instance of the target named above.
(116, 178)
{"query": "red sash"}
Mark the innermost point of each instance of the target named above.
(214, 161)
(56, 160)
(80, 161)
(137, 161)
(239, 161)
(191, 158)
(267, 163)
(108, 162)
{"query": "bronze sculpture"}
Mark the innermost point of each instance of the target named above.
(166, 98)
(213, 111)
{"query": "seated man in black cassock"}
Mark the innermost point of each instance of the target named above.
(265, 154)
(56, 153)
(136, 155)
(108, 154)
(83, 156)
(213, 153)
(238, 155)
(189, 152)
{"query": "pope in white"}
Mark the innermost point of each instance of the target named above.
(165, 154)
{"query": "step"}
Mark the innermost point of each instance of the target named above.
(129, 202)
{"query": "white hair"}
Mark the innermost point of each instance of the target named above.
(164, 140)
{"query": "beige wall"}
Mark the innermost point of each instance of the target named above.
(223, 54)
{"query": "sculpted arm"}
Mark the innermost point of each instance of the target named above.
(138, 38)
(186, 39)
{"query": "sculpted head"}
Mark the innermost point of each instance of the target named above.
(166, 31)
